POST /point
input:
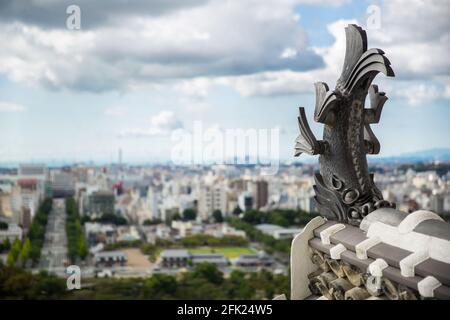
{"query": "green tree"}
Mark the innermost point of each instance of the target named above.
(150, 250)
(37, 229)
(5, 246)
(14, 253)
(10, 261)
(83, 250)
(239, 287)
(206, 281)
(237, 211)
(189, 214)
(25, 253)
(176, 216)
(76, 244)
(217, 216)
(160, 286)
(16, 283)
(148, 222)
(85, 218)
(209, 272)
(46, 286)
(112, 218)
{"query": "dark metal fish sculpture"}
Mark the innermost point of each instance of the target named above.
(344, 188)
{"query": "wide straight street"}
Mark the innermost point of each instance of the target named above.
(54, 251)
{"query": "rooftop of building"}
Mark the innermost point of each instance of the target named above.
(27, 183)
(175, 253)
(266, 227)
(253, 256)
(111, 254)
(209, 257)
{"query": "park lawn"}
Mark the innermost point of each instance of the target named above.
(229, 252)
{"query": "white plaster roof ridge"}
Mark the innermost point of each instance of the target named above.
(337, 250)
(427, 285)
(408, 264)
(376, 268)
(328, 232)
(413, 219)
(362, 247)
(436, 248)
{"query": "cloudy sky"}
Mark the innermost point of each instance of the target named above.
(137, 70)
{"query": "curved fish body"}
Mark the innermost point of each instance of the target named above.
(344, 188)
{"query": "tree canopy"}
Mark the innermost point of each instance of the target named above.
(189, 214)
(217, 216)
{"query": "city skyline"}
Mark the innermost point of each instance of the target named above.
(81, 95)
(252, 151)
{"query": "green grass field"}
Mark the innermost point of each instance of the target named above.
(229, 252)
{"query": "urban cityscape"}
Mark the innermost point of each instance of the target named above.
(166, 150)
(134, 222)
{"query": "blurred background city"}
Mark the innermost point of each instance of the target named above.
(164, 222)
(89, 112)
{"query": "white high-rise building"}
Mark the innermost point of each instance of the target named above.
(153, 199)
(211, 198)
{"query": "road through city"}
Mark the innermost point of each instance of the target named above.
(54, 250)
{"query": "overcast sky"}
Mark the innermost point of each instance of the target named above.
(137, 70)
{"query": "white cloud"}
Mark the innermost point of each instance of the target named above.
(415, 36)
(11, 107)
(196, 87)
(50, 13)
(165, 120)
(288, 81)
(161, 124)
(256, 47)
(116, 111)
(208, 39)
(288, 53)
(414, 93)
(197, 106)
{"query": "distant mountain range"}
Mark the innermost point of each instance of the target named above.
(437, 154)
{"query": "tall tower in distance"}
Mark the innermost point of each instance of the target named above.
(120, 157)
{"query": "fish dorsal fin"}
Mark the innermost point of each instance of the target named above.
(356, 45)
